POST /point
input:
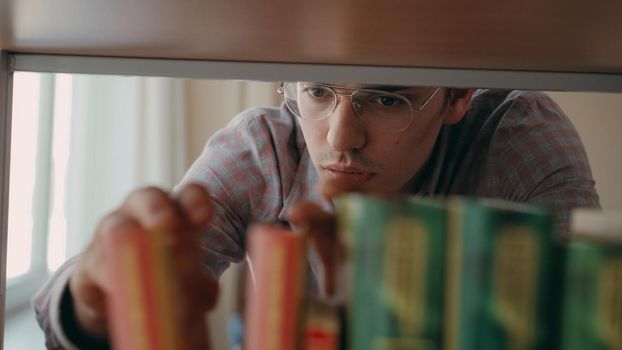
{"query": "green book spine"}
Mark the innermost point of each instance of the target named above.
(396, 249)
(523, 297)
(593, 297)
(504, 266)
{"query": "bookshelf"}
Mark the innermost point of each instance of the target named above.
(533, 45)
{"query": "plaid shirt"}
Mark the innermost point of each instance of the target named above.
(513, 145)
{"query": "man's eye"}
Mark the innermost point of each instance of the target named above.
(316, 91)
(388, 101)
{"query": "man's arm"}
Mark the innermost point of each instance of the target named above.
(47, 306)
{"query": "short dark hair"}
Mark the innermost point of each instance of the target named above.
(453, 94)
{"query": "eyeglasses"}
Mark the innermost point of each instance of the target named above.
(379, 109)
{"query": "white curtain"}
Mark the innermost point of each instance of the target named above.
(126, 132)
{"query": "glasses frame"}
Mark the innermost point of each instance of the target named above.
(355, 106)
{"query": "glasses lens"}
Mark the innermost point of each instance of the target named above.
(383, 110)
(380, 109)
(290, 98)
(308, 100)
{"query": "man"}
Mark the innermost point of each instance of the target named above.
(267, 163)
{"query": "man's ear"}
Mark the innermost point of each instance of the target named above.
(457, 105)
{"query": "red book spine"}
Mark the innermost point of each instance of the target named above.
(146, 304)
(274, 288)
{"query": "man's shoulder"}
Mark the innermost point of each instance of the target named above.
(266, 116)
(506, 128)
(487, 103)
(526, 133)
(509, 113)
(266, 130)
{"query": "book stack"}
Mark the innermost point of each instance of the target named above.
(454, 274)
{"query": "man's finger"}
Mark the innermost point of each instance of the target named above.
(320, 227)
(153, 208)
(304, 214)
(196, 205)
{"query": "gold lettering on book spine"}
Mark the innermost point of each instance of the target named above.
(610, 303)
(514, 289)
(405, 271)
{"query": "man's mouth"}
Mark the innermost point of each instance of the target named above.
(345, 172)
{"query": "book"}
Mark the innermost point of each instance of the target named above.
(503, 269)
(395, 249)
(322, 325)
(146, 306)
(275, 288)
(593, 293)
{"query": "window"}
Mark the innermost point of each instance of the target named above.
(39, 153)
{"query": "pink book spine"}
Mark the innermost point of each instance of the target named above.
(146, 308)
(274, 288)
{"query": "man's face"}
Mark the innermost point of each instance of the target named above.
(346, 147)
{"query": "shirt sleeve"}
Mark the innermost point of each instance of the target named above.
(47, 305)
(538, 157)
(242, 169)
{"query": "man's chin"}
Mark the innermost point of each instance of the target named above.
(333, 186)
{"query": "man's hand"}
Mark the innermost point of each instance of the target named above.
(189, 212)
(321, 227)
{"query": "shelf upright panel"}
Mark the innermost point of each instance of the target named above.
(6, 93)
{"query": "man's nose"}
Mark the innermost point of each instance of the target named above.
(346, 128)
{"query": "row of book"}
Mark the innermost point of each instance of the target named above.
(459, 273)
